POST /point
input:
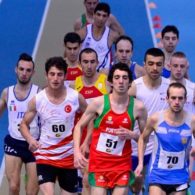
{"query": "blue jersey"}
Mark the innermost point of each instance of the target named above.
(170, 157)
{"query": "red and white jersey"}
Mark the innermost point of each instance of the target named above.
(57, 123)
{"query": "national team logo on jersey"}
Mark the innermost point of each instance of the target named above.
(68, 108)
(12, 106)
(184, 140)
(109, 120)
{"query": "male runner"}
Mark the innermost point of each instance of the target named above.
(56, 106)
(87, 18)
(16, 98)
(173, 128)
(98, 36)
(110, 152)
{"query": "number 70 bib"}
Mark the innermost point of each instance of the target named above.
(171, 160)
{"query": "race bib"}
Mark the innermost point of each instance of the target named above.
(171, 160)
(110, 144)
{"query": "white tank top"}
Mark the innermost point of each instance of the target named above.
(16, 110)
(57, 123)
(154, 100)
(100, 46)
(189, 105)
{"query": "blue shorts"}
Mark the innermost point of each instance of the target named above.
(67, 178)
(18, 148)
(135, 161)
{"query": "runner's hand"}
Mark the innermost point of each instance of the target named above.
(124, 133)
(33, 145)
(138, 170)
(80, 161)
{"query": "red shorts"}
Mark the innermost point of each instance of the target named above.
(111, 179)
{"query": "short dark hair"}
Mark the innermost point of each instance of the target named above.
(179, 54)
(57, 62)
(25, 57)
(170, 28)
(87, 50)
(119, 66)
(102, 7)
(176, 85)
(124, 37)
(72, 37)
(156, 52)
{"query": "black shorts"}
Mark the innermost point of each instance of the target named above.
(18, 148)
(67, 178)
(171, 188)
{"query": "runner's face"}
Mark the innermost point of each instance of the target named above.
(154, 66)
(89, 63)
(120, 81)
(55, 78)
(176, 99)
(90, 5)
(123, 51)
(72, 51)
(178, 67)
(100, 18)
(24, 71)
(169, 42)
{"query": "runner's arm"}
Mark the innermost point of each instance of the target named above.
(3, 101)
(24, 126)
(143, 139)
(88, 115)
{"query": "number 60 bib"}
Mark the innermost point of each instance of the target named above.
(110, 144)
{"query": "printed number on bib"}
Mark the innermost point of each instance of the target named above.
(18, 127)
(171, 160)
(58, 129)
(110, 144)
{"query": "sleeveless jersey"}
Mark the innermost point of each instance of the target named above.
(98, 89)
(170, 157)
(154, 100)
(89, 93)
(100, 46)
(57, 123)
(16, 110)
(108, 152)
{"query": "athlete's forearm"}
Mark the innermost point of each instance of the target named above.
(141, 149)
(25, 131)
(77, 138)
